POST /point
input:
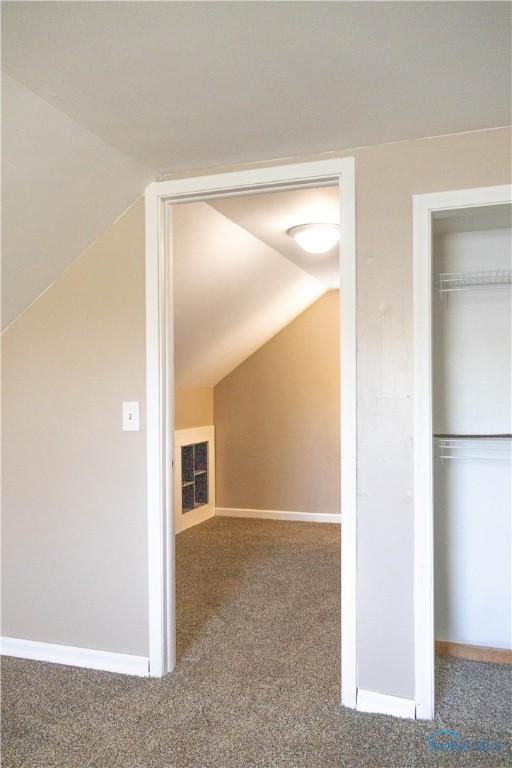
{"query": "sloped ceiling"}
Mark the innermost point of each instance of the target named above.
(232, 294)
(269, 217)
(61, 187)
(110, 95)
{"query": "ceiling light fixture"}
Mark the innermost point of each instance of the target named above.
(315, 238)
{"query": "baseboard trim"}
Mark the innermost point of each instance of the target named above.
(474, 652)
(383, 704)
(271, 514)
(89, 658)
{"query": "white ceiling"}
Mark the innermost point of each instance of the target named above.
(112, 94)
(179, 85)
(232, 294)
(269, 216)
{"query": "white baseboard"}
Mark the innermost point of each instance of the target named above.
(271, 514)
(381, 703)
(54, 653)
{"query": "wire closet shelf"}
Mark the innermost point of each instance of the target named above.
(471, 281)
(488, 447)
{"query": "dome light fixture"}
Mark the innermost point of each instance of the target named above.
(315, 238)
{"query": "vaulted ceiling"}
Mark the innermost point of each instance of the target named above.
(62, 186)
(269, 217)
(102, 97)
(233, 292)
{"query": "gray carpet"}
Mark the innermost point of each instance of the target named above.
(257, 680)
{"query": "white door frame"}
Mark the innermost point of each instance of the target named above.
(423, 208)
(159, 387)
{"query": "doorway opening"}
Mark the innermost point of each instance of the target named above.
(463, 438)
(257, 430)
(162, 199)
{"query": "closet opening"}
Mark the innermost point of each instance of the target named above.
(472, 432)
(463, 451)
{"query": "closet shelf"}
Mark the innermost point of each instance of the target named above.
(471, 281)
(493, 447)
(497, 436)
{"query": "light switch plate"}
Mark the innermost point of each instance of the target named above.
(131, 419)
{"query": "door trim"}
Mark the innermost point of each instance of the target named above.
(159, 387)
(423, 207)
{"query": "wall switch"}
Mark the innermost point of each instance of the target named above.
(131, 420)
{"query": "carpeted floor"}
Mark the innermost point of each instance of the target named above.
(257, 680)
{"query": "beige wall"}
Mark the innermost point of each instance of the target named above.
(387, 178)
(193, 407)
(74, 509)
(277, 419)
(74, 515)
